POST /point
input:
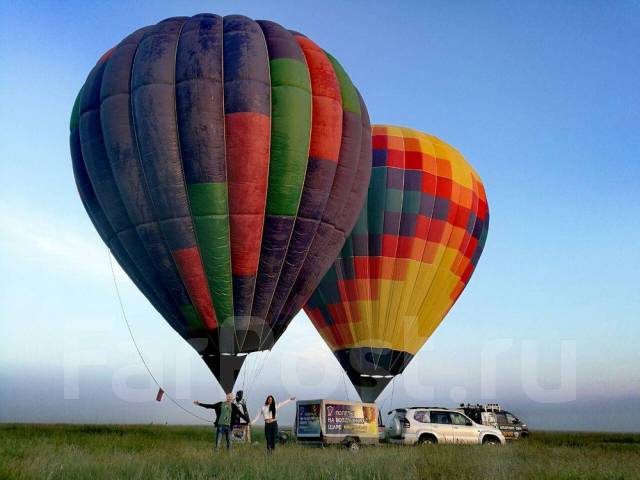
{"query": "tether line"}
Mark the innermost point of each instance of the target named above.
(126, 321)
(256, 375)
(393, 390)
(344, 383)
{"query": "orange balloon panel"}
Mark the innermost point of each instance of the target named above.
(408, 259)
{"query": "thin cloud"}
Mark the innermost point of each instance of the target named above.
(28, 236)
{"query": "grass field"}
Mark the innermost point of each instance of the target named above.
(162, 452)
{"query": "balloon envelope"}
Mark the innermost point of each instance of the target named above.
(412, 251)
(223, 161)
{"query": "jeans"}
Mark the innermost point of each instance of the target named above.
(270, 433)
(226, 431)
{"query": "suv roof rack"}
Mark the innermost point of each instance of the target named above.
(488, 407)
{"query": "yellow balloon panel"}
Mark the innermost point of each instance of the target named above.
(412, 251)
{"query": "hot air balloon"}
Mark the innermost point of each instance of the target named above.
(223, 161)
(410, 255)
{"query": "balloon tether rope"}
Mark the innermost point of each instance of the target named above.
(244, 374)
(393, 390)
(135, 344)
(344, 383)
(257, 375)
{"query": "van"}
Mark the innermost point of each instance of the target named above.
(492, 414)
(337, 422)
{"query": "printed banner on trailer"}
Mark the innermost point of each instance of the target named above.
(342, 419)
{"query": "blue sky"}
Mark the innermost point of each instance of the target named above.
(541, 98)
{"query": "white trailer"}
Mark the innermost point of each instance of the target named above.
(337, 422)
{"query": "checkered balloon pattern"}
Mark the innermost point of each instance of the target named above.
(413, 250)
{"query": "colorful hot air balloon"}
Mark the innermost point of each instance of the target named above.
(222, 160)
(410, 255)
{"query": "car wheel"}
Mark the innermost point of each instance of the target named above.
(490, 441)
(427, 440)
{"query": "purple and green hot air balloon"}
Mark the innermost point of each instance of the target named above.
(223, 161)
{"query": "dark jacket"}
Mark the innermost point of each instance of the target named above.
(242, 406)
(236, 413)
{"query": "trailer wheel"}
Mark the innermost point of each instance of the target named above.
(353, 445)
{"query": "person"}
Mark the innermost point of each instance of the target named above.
(268, 413)
(239, 427)
(225, 411)
(241, 404)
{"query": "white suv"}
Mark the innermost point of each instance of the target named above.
(427, 425)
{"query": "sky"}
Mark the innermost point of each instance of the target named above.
(540, 97)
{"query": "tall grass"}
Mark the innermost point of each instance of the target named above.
(163, 452)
